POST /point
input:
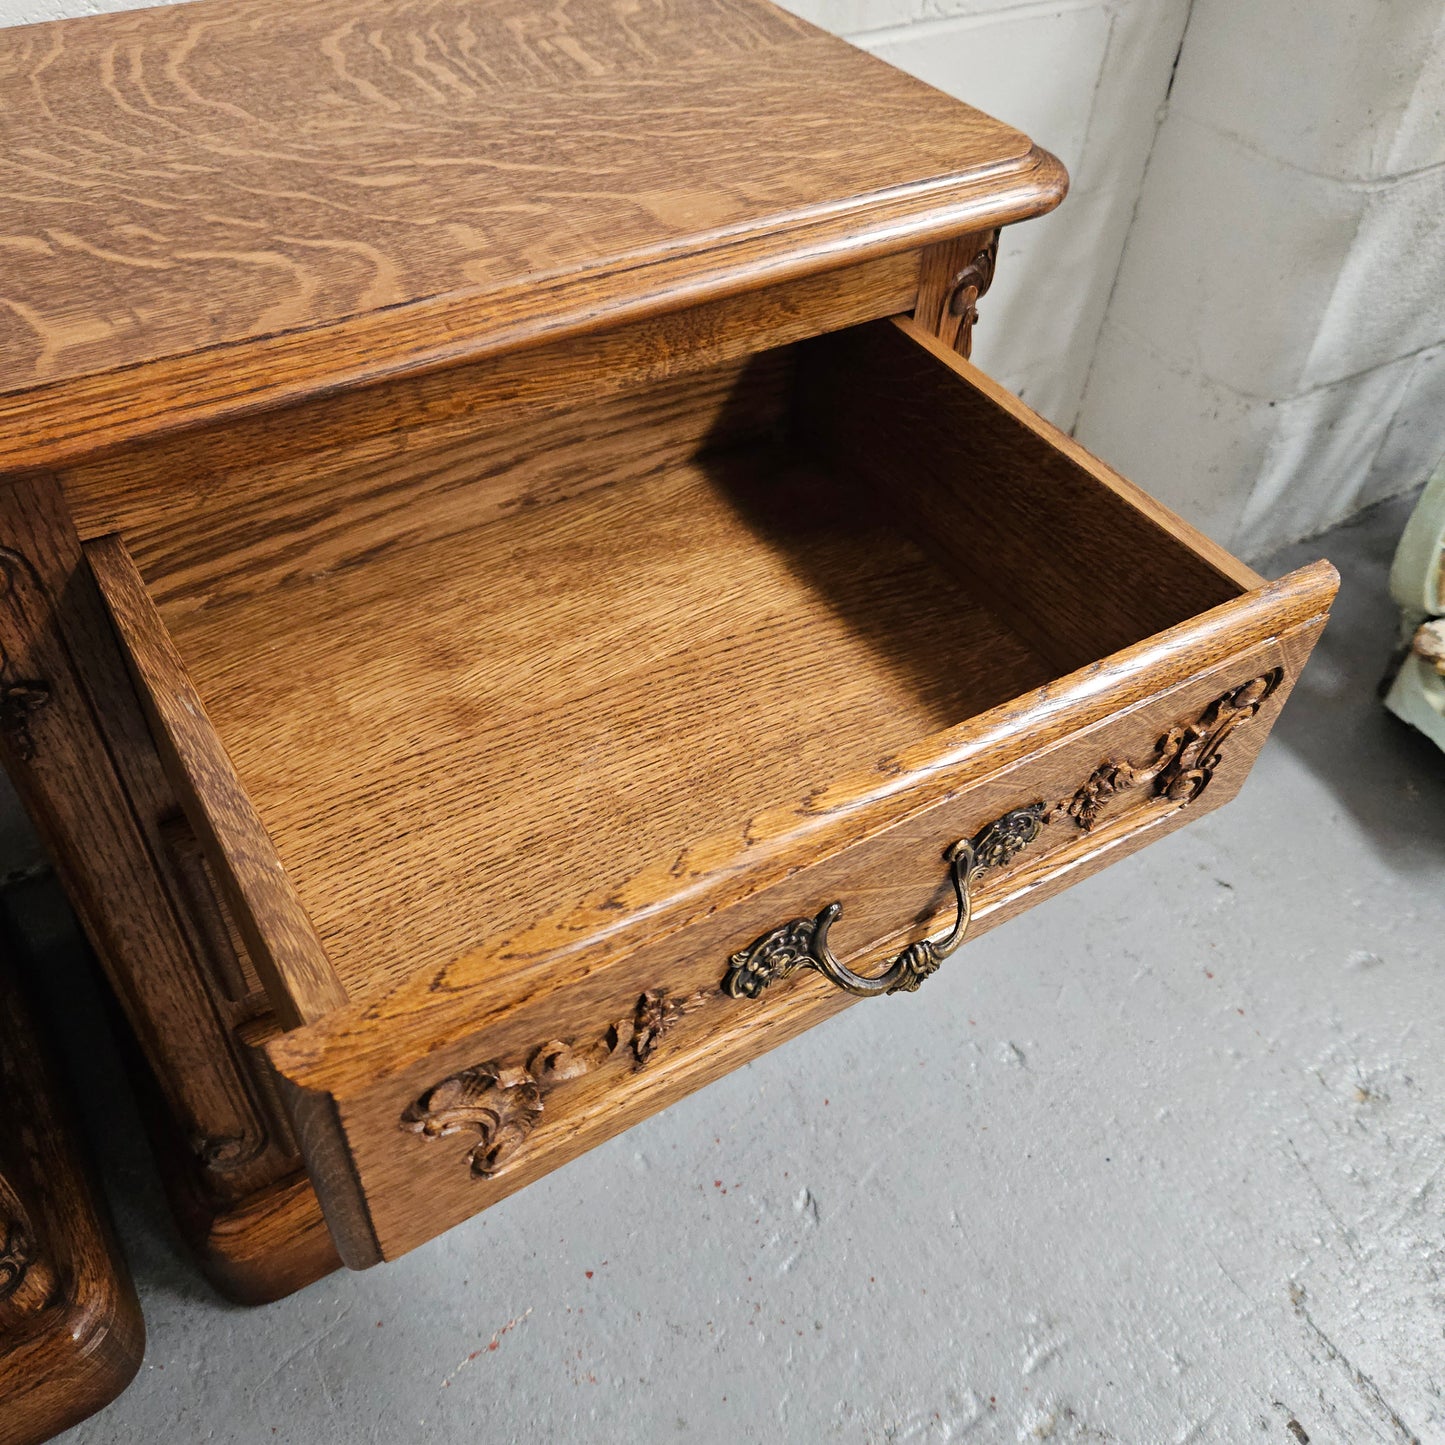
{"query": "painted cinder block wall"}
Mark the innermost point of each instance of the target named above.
(1085, 78)
(1273, 354)
(1240, 303)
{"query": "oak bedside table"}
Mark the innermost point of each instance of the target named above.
(515, 600)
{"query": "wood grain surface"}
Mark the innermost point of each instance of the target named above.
(490, 610)
(590, 700)
(280, 938)
(219, 537)
(464, 735)
(253, 1250)
(182, 501)
(216, 206)
(519, 714)
(71, 1334)
(434, 1011)
(1085, 562)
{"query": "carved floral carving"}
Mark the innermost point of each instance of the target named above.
(28, 1279)
(501, 1103)
(1184, 758)
(1183, 763)
(964, 291)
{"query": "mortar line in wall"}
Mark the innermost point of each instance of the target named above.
(1258, 496)
(1354, 183)
(934, 24)
(1163, 111)
(1164, 362)
(1261, 502)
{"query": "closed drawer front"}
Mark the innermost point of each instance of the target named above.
(532, 821)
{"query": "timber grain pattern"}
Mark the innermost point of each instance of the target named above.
(229, 205)
(813, 511)
(279, 936)
(368, 1076)
(221, 495)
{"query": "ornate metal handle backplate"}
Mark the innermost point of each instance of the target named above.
(1184, 761)
(803, 942)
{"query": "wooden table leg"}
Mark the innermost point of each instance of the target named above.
(71, 1335)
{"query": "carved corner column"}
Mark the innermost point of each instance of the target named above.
(71, 1335)
(953, 276)
(76, 745)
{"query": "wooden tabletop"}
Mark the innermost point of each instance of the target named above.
(221, 205)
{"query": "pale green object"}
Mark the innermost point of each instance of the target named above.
(1417, 583)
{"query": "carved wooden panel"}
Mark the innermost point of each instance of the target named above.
(1184, 760)
(501, 1103)
(70, 1328)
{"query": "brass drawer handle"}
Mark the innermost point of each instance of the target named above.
(803, 942)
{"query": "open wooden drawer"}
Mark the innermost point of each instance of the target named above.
(527, 814)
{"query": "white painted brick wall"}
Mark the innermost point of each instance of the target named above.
(1273, 355)
(1085, 78)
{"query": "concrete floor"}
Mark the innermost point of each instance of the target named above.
(1159, 1162)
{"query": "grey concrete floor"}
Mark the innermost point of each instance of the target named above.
(1159, 1162)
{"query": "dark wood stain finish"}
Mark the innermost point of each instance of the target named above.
(71, 1334)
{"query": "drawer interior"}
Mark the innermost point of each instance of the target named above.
(569, 649)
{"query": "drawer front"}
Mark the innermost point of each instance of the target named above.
(420, 1100)
(554, 1071)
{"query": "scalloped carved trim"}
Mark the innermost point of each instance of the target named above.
(1184, 758)
(970, 284)
(501, 1103)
